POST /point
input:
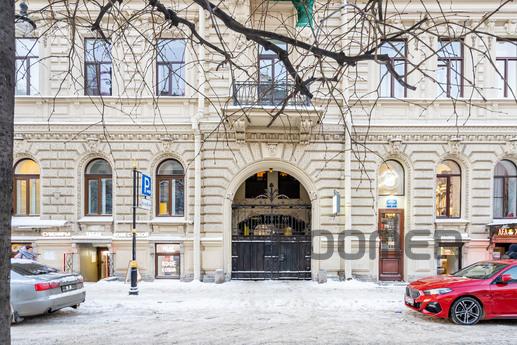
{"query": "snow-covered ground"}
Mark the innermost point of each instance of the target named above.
(170, 312)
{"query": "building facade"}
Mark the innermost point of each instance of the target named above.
(421, 174)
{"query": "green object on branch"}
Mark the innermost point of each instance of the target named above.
(305, 9)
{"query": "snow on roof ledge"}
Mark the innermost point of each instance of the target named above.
(36, 223)
(503, 221)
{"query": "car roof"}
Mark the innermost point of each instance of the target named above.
(503, 261)
(22, 261)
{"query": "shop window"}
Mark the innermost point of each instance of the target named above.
(449, 258)
(26, 188)
(391, 179)
(449, 74)
(98, 188)
(389, 86)
(27, 69)
(171, 67)
(256, 185)
(505, 190)
(288, 186)
(168, 260)
(170, 187)
(448, 190)
(98, 65)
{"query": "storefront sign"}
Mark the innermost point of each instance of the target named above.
(506, 232)
(55, 234)
(128, 235)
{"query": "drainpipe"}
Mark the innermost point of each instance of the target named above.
(197, 150)
(347, 158)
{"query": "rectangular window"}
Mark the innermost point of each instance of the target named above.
(389, 86)
(273, 87)
(98, 65)
(506, 60)
(288, 186)
(27, 70)
(256, 185)
(171, 67)
(449, 73)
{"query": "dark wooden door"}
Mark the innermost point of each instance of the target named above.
(391, 244)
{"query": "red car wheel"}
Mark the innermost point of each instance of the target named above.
(466, 311)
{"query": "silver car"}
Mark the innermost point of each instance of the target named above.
(37, 289)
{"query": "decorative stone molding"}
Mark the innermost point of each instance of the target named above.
(313, 195)
(454, 146)
(20, 143)
(305, 131)
(166, 143)
(394, 145)
(240, 130)
(93, 143)
(510, 147)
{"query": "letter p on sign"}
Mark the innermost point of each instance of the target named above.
(146, 185)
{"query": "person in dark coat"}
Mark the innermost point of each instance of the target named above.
(512, 252)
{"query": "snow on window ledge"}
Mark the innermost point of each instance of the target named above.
(96, 219)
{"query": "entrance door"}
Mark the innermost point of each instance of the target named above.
(391, 249)
(103, 263)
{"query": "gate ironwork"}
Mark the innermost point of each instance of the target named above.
(271, 238)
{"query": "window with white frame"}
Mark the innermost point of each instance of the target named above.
(170, 66)
(449, 72)
(27, 66)
(98, 189)
(506, 59)
(389, 86)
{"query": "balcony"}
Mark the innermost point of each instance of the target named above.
(267, 94)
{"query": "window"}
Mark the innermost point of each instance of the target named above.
(506, 60)
(513, 272)
(256, 185)
(168, 260)
(98, 196)
(391, 178)
(449, 73)
(448, 190)
(480, 270)
(288, 186)
(97, 57)
(389, 86)
(171, 67)
(170, 179)
(26, 188)
(27, 71)
(505, 190)
(272, 88)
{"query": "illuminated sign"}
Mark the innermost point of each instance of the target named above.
(506, 232)
(55, 234)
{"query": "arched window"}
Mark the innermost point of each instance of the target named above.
(26, 188)
(448, 190)
(505, 190)
(170, 187)
(391, 178)
(98, 187)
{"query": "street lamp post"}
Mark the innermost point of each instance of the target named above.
(24, 25)
(133, 290)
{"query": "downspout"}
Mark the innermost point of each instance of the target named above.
(347, 159)
(197, 150)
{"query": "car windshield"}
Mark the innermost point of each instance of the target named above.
(31, 268)
(480, 270)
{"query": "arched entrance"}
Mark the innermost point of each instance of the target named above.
(271, 222)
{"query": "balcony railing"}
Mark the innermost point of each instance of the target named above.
(266, 94)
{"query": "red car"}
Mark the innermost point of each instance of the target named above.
(484, 290)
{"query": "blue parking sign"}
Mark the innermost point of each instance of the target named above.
(146, 185)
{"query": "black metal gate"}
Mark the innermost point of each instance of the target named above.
(271, 242)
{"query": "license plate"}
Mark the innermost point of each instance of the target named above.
(409, 300)
(69, 287)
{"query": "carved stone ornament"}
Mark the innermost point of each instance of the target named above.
(305, 131)
(93, 143)
(454, 146)
(166, 143)
(394, 145)
(20, 143)
(510, 147)
(240, 130)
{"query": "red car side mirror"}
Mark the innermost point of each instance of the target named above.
(504, 279)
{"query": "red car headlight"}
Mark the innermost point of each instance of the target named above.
(440, 291)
